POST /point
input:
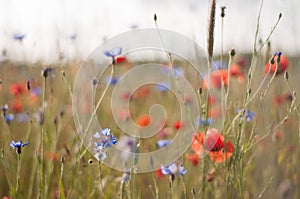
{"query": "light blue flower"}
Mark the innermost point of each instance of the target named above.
(113, 52)
(163, 143)
(19, 37)
(18, 145)
(248, 115)
(173, 169)
(203, 122)
(103, 139)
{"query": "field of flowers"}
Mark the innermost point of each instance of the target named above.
(244, 144)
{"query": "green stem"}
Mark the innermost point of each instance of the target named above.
(18, 176)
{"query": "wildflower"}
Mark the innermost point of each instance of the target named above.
(178, 125)
(248, 115)
(121, 59)
(22, 117)
(144, 120)
(113, 52)
(216, 79)
(18, 145)
(113, 81)
(193, 158)
(141, 92)
(105, 139)
(17, 89)
(277, 59)
(163, 143)
(19, 37)
(173, 169)
(125, 177)
(163, 87)
(278, 100)
(204, 122)
(177, 72)
(213, 144)
(219, 65)
(73, 37)
(17, 106)
(159, 173)
(8, 118)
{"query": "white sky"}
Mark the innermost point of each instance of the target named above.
(49, 24)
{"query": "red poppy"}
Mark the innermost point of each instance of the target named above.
(17, 89)
(278, 100)
(282, 66)
(216, 78)
(178, 125)
(143, 121)
(141, 92)
(159, 173)
(17, 106)
(51, 155)
(121, 59)
(193, 158)
(213, 144)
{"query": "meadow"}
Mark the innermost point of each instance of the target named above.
(244, 144)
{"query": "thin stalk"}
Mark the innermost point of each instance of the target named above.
(18, 176)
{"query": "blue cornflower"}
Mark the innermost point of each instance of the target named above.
(104, 140)
(173, 169)
(113, 52)
(36, 91)
(176, 70)
(18, 37)
(114, 80)
(204, 122)
(219, 65)
(163, 143)
(163, 86)
(248, 115)
(8, 118)
(73, 37)
(18, 145)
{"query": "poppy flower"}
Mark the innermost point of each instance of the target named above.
(17, 106)
(121, 59)
(278, 100)
(216, 78)
(143, 121)
(17, 89)
(271, 65)
(178, 125)
(213, 144)
(193, 158)
(141, 93)
(159, 173)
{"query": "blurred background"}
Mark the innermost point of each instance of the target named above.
(49, 31)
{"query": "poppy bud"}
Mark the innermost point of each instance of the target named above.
(232, 52)
(286, 75)
(200, 90)
(223, 11)
(28, 85)
(155, 17)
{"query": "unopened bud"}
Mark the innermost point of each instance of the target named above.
(232, 52)
(155, 17)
